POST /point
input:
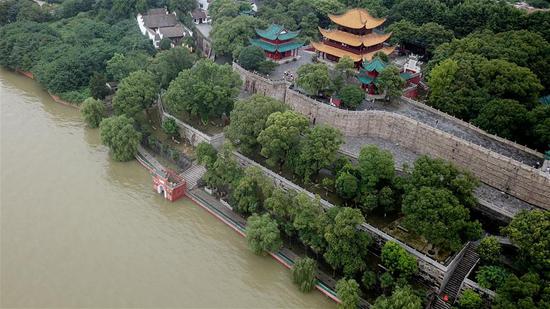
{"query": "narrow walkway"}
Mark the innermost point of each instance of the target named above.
(439, 122)
(193, 174)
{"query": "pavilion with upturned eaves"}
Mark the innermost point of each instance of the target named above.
(277, 42)
(355, 37)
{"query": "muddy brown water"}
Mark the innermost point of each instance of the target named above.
(79, 230)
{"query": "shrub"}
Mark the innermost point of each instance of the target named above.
(491, 277)
(489, 249)
(469, 300)
(303, 274)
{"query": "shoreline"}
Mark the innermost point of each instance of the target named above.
(54, 97)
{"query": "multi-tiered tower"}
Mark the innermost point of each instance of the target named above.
(354, 37)
(277, 42)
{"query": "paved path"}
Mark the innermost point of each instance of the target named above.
(439, 122)
(487, 195)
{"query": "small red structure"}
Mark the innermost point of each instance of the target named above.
(169, 184)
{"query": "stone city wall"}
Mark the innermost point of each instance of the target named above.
(505, 174)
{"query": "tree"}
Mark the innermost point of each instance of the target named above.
(206, 154)
(437, 214)
(505, 118)
(251, 57)
(491, 277)
(303, 274)
(398, 261)
(470, 300)
(281, 135)
(119, 135)
(225, 172)
(425, 37)
(521, 292)
(347, 247)
(401, 298)
(540, 127)
(93, 112)
(120, 66)
(206, 90)
(231, 35)
(318, 150)
(98, 87)
(438, 173)
(347, 185)
(376, 166)
(419, 11)
(226, 9)
(263, 234)
(308, 221)
(313, 78)
(182, 7)
(530, 231)
(280, 205)
(352, 96)
(165, 44)
(386, 281)
(251, 191)
(248, 119)
(135, 93)
(343, 70)
(489, 250)
(169, 63)
(348, 291)
(170, 127)
(368, 279)
(391, 82)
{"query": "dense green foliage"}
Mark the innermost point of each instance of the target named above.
(391, 82)
(351, 96)
(231, 35)
(119, 135)
(281, 136)
(398, 261)
(348, 293)
(489, 250)
(224, 173)
(64, 53)
(167, 64)
(251, 58)
(93, 112)
(303, 274)
(250, 191)
(401, 298)
(528, 291)
(530, 231)
(262, 234)
(470, 300)
(206, 154)
(313, 78)
(170, 127)
(491, 277)
(135, 93)
(248, 120)
(206, 90)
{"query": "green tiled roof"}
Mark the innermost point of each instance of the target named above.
(405, 75)
(545, 100)
(375, 64)
(274, 32)
(364, 79)
(276, 47)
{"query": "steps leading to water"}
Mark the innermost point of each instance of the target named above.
(193, 174)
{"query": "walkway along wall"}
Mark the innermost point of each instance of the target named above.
(505, 174)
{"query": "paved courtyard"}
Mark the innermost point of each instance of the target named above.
(304, 57)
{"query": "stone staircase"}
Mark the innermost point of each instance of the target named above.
(193, 174)
(452, 288)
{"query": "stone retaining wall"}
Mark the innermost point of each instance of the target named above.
(505, 174)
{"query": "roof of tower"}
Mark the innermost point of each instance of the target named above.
(274, 32)
(351, 39)
(357, 19)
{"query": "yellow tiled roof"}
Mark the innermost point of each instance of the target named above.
(355, 57)
(357, 19)
(353, 39)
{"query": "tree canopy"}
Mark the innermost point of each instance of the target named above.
(303, 274)
(135, 93)
(348, 293)
(401, 298)
(119, 135)
(248, 120)
(398, 261)
(230, 36)
(262, 234)
(313, 78)
(169, 63)
(93, 112)
(206, 90)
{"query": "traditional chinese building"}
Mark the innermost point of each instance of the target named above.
(354, 36)
(369, 71)
(277, 42)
